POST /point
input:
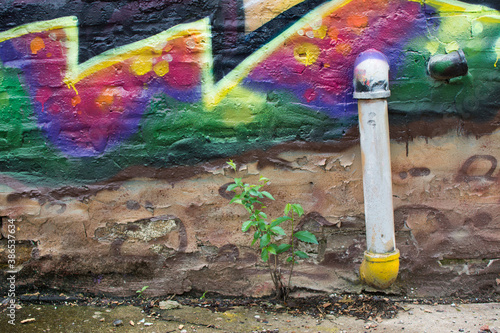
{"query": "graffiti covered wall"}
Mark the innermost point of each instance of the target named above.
(115, 123)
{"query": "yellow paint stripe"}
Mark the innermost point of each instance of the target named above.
(111, 57)
(489, 18)
(76, 71)
(214, 93)
(453, 6)
(259, 12)
(497, 51)
(59, 23)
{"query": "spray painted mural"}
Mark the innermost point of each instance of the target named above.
(234, 77)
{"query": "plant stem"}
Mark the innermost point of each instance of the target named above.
(293, 254)
(275, 263)
(273, 277)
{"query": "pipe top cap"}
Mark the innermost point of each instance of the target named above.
(371, 75)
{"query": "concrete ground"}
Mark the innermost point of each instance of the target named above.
(416, 318)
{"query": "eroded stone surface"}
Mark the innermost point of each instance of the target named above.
(181, 236)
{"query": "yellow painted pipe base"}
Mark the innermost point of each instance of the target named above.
(380, 270)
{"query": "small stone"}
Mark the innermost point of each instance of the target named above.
(101, 319)
(485, 328)
(181, 327)
(117, 322)
(131, 323)
(183, 331)
(169, 305)
(148, 324)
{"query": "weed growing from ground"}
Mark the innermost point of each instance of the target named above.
(269, 235)
(140, 291)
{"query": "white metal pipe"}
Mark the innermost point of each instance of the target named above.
(377, 182)
(371, 83)
(380, 264)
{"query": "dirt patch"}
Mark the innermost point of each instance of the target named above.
(213, 313)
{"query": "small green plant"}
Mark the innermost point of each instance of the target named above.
(269, 235)
(140, 291)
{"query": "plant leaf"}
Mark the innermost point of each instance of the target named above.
(263, 215)
(272, 249)
(283, 248)
(278, 230)
(256, 236)
(254, 192)
(279, 220)
(236, 199)
(301, 254)
(306, 236)
(262, 225)
(264, 255)
(298, 209)
(231, 164)
(289, 259)
(288, 208)
(267, 194)
(231, 187)
(264, 240)
(246, 225)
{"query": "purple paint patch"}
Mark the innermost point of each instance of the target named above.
(102, 109)
(319, 71)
